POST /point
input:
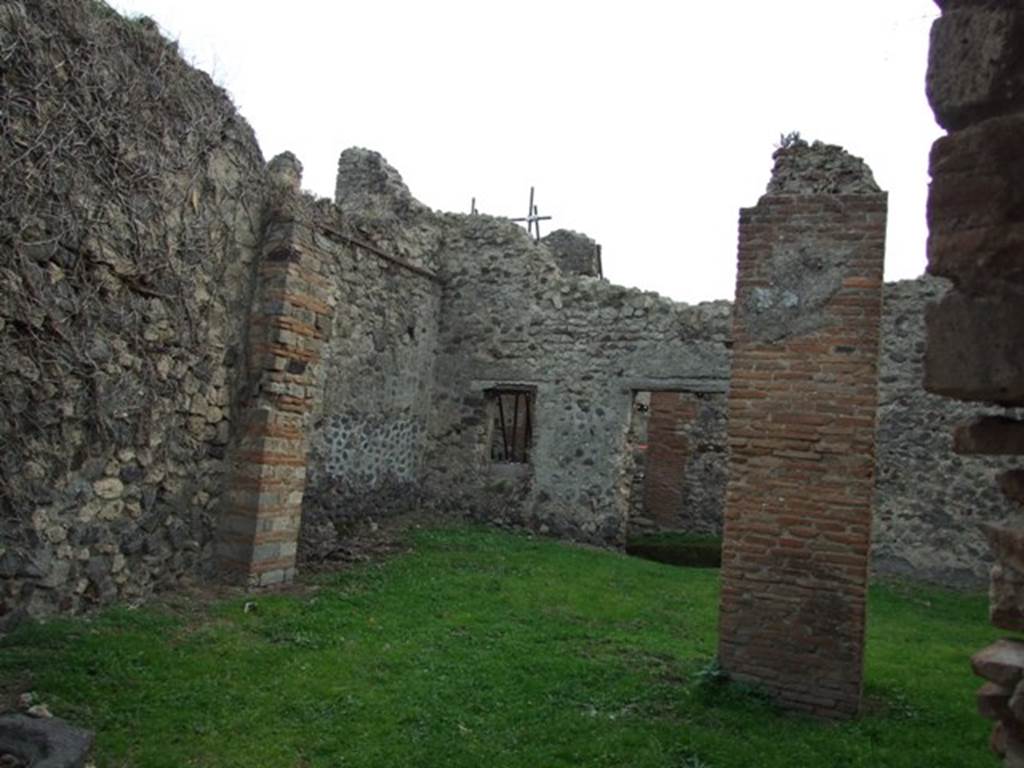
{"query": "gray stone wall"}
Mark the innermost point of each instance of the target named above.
(575, 253)
(929, 501)
(129, 229)
(130, 213)
(511, 317)
(706, 468)
(378, 382)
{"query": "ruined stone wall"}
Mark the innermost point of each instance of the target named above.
(510, 317)
(370, 430)
(575, 253)
(129, 222)
(504, 315)
(379, 377)
(930, 501)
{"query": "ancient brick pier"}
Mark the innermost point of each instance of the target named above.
(258, 528)
(802, 431)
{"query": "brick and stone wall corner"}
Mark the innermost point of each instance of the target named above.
(290, 320)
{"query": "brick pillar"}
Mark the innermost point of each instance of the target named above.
(802, 408)
(975, 348)
(291, 314)
(667, 451)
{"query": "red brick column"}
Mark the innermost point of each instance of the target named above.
(258, 528)
(801, 435)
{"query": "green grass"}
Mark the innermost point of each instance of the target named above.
(487, 650)
(685, 549)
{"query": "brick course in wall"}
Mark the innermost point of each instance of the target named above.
(801, 436)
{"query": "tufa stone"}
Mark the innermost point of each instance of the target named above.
(108, 488)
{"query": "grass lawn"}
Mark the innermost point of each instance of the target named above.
(486, 650)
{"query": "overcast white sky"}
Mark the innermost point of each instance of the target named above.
(644, 124)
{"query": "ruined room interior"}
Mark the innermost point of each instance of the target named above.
(209, 373)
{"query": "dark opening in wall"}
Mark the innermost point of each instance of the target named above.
(510, 414)
(676, 467)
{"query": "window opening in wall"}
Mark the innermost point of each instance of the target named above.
(512, 425)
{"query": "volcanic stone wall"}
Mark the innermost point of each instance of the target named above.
(370, 431)
(436, 312)
(510, 317)
(976, 239)
(129, 227)
(802, 406)
(930, 500)
(191, 346)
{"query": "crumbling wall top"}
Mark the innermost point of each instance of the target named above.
(819, 169)
(369, 185)
(286, 171)
(575, 252)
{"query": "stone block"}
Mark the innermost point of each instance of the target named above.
(1016, 703)
(1007, 543)
(975, 63)
(1011, 483)
(994, 701)
(990, 436)
(1006, 598)
(45, 742)
(1001, 663)
(973, 348)
(976, 204)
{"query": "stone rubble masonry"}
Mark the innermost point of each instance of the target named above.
(512, 317)
(369, 436)
(975, 85)
(575, 253)
(129, 236)
(802, 405)
(195, 359)
(930, 501)
(258, 526)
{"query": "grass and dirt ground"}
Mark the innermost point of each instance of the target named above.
(476, 648)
